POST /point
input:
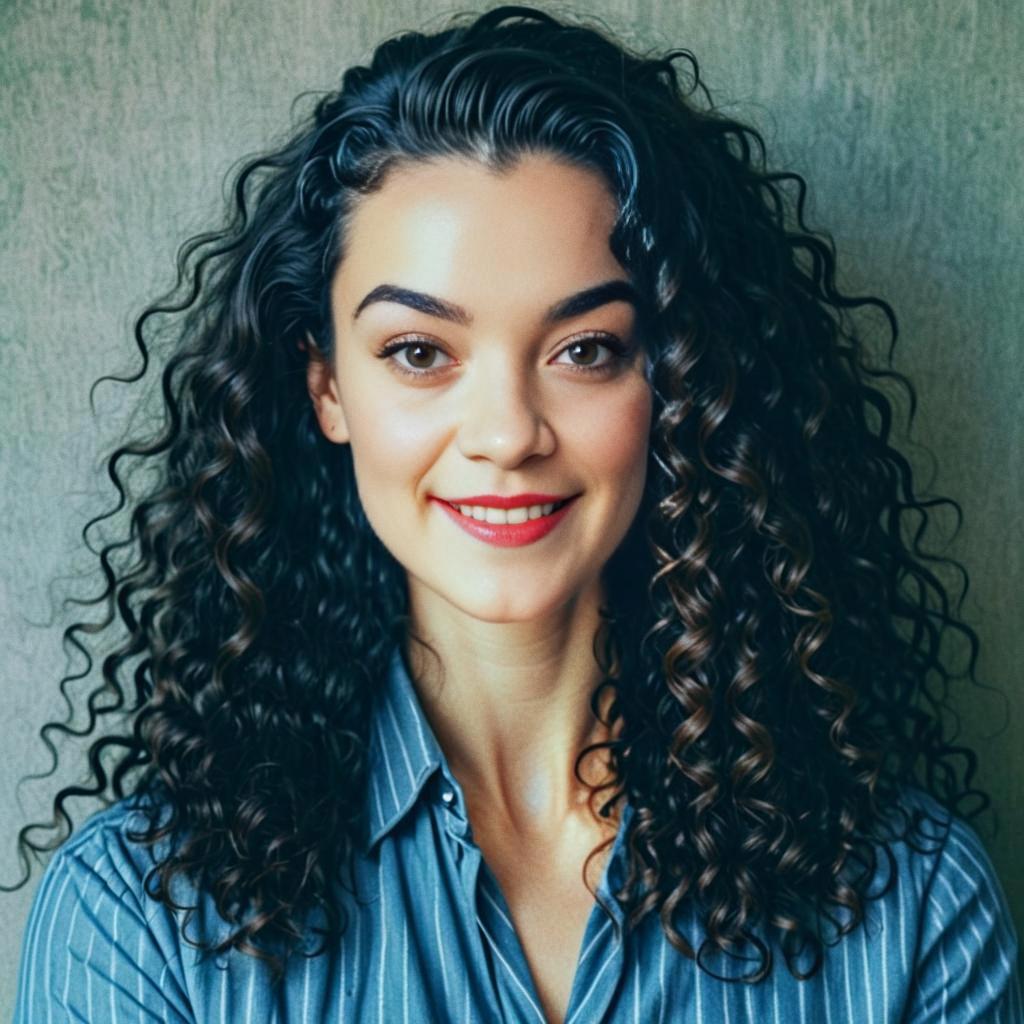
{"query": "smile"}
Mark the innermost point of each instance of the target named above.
(512, 527)
(504, 517)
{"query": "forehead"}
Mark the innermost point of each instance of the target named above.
(453, 227)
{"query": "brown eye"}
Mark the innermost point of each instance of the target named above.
(585, 354)
(412, 358)
(420, 356)
(586, 344)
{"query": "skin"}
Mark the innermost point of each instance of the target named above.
(506, 410)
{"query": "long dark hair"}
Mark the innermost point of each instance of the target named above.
(772, 643)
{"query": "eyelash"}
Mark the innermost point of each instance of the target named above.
(620, 353)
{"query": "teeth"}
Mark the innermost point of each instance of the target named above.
(503, 517)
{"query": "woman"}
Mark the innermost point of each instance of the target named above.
(518, 608)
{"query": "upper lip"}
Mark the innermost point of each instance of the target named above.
(513, 501)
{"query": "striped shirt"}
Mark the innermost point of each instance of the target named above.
(434, 940)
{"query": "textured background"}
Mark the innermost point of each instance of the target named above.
(120, 119)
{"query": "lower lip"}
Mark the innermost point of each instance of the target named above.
(510, 535)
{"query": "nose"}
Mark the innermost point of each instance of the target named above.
(502, 418)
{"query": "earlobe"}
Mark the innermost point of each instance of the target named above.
(324, 394)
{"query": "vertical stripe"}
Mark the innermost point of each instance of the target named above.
(401, 741)
(356, 962)
(88, 976)
(903, 911)
(511, 973)
(224, 997)
(801, 988)
(497, 907)
(521, 971)
(71, 932)
(1015, 1004)
(305, 992)
(984, 873)
(590, 944)
(139, 972)
(440, 945)
(984, 974)
(382, 967)
(113, 965)
(868, 988)
(386, 755)
(419, 727)
(636, 988)
(885, 962)
(663, 942)
(945, 978)
(593, 985)
(776, 972)
(378, 803)
(249, 992)
(698, 974)
(828, 961)
(846, 976)
(405, 972)
(48, 954)
(342, 950)
(969, 968)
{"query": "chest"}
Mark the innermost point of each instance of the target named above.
(550, 907)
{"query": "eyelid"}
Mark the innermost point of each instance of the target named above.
(407, 341)
(616, 346)
(621, 351)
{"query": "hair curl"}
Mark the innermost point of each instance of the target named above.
(771, 642)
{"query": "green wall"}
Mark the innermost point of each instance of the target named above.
(119, 120)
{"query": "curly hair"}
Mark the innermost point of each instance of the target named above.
(771, 641)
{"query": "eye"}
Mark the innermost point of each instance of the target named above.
(419, 354)
(587, 346)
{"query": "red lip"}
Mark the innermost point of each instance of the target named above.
(507, 535)
(515, 501)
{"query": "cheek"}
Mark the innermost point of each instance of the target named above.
(612, 436)
(389, 449)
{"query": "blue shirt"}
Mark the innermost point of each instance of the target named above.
(435, 940)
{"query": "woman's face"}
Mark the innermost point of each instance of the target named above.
(490, 396)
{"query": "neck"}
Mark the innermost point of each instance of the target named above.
(510, 706)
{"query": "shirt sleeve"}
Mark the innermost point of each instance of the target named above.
(90, 954)
(967, 964)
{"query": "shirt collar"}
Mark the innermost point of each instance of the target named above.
(404, 753)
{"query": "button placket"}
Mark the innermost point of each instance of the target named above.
(456, 822)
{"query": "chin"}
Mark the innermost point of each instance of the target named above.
(517, 601)
(509, 610)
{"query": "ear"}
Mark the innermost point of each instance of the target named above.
(324, 393)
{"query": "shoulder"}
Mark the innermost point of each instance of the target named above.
(944, 852)
(100, 858)
(943, 858)
(102, 843)
(965, 943)
(92, 928)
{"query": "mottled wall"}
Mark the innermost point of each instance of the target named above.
(119, 120)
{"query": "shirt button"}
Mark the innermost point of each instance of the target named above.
(448, 796)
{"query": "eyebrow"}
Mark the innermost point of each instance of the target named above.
(616, 290)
